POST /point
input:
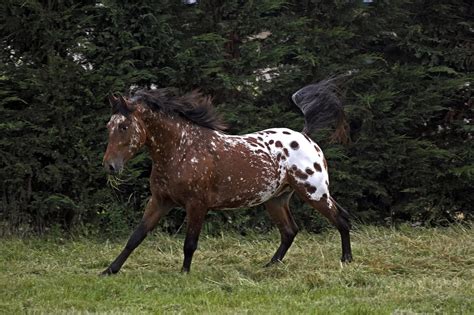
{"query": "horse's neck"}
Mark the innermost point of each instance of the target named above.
(165, 135)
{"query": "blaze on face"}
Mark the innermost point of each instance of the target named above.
(126, 135)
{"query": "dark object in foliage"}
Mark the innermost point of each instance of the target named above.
(200, 168)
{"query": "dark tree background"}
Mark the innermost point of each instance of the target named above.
(409, 100)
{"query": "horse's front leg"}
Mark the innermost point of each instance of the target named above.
(154, 211)
(195, 216)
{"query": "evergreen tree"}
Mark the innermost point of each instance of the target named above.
(409, 99)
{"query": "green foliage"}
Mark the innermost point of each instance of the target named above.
(409, 100)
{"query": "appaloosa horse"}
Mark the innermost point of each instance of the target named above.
(200, 168)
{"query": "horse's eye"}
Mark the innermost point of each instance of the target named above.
(123, 127)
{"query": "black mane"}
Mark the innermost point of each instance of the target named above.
(193, 106)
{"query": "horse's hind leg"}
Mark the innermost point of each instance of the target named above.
(153, 213)
(329, 208)
(343, 225)
(279, 212)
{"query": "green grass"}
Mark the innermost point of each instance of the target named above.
(397, 271)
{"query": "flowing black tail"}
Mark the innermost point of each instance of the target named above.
(321, 105)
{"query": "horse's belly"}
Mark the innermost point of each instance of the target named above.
(246, 198)
(248, 185)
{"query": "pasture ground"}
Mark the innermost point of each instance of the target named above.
(396, 271)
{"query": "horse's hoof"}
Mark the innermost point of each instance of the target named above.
(107, 272)
(272, 262)
(268, 264)
(346, 258)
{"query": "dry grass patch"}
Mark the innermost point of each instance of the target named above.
(395, 271)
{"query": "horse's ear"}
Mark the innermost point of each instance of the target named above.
(120, 105)
(113, 101)
(125, 108)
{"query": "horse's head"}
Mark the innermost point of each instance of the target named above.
(127, 134)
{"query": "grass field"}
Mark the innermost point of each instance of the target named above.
(402, 271)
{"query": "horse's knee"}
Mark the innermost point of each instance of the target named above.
(137, 237)
(293, 232)
(288, 234)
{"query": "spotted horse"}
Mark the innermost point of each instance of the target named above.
(199, 167)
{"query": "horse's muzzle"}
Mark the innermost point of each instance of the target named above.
(114, 166)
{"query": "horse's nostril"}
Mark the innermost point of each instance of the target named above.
(111, 168)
